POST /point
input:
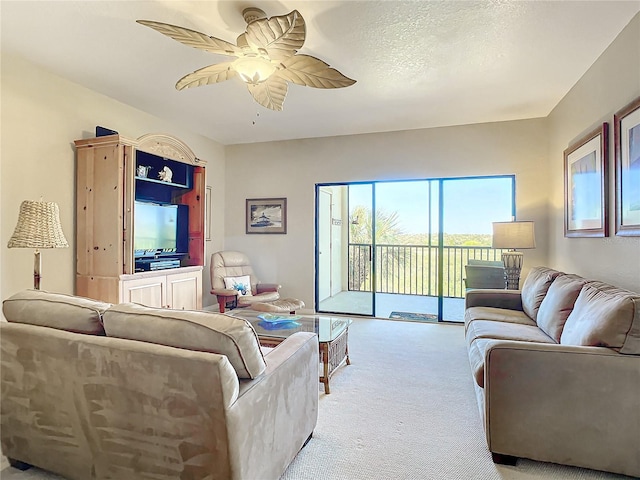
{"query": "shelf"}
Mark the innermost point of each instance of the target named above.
(160, 182)
(154, 167)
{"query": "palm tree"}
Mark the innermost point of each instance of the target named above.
(387, 232)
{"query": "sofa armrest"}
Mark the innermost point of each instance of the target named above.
(564, 404)
(267, 287)
(498, 298)
(277, 412)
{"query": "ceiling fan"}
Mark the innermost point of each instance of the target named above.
(266, 54)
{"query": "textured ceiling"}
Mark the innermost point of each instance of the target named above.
(418, 64)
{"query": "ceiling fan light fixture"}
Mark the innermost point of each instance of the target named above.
(267, 57)
(253, 70)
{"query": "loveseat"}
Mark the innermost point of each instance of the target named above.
(556, 370)
(95, 391)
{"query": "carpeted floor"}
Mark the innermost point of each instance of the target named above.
(404, 409)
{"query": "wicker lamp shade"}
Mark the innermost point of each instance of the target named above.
(38, 226)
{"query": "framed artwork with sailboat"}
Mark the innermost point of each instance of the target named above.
(266, 215)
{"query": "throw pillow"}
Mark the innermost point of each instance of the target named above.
(241, 284)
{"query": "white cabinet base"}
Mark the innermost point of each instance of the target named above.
(177, 288)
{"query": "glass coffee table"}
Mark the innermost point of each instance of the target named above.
(333, 333)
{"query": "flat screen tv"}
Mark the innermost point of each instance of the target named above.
(160, 230)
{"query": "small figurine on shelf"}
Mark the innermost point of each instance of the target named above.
(143, 170)
(166, 175)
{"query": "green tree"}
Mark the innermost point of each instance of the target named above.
(387, 232)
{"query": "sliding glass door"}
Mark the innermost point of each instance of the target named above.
(406, 249)
(469, 206)
(398, 249)
(344, 248)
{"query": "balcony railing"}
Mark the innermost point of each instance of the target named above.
(413, 269)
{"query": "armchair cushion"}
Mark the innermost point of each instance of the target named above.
(241, 284)
(200, 331)
(247, 300)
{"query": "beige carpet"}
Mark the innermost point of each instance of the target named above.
(404, 409)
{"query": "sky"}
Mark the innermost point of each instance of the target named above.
(470, 205)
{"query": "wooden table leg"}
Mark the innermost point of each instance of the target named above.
(332, 354)
(324, 351)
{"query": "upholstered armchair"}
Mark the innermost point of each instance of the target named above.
(484, 274)
(234, 283)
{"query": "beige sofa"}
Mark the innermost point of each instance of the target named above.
(557, 371)
(94, 391)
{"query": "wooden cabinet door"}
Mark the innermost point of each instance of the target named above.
(151, 292)
(99, 209)
(184, 291)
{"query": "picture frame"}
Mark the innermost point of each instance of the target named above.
(586, 186)
(266, 215)
(626, 125)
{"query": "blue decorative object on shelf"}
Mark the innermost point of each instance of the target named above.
(275, 318)
(281, 325)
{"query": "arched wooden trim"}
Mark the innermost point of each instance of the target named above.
(168, 147)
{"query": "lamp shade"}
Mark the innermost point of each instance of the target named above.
(513, 235)
(38, 227)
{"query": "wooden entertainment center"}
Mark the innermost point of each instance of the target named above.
(117, 180)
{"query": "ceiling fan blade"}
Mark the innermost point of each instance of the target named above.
(312, 72)
(193, 39)
(279, 37)
(207, 76)
(271, 93)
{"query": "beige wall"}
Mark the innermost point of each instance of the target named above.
(41, 116)
(292, 168)
(611, 83)
(532, 150)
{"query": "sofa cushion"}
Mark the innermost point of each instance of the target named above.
(505, 331)
(605, 316)
(558, 304)
(202, 331)
(56, 310)
(535, 288)
(496, 315)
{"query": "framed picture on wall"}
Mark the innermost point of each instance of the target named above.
(626, 127)
(266, 215)
(586, 186)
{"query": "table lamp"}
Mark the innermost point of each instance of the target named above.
(38, 227)
(513, 235)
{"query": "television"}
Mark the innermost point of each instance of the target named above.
(160, 230)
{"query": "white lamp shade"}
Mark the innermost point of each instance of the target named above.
(513, 235)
